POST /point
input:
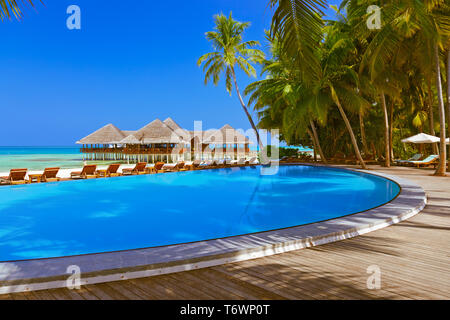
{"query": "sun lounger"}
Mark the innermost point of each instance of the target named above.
(239, 162)
(427, 161)
(88, 172)
(208, 164)
(169, 167)
(139, 168)
(50, 175)
(192, 165)
(181, 166)
(111, 171)
(188, 165)
(221, 163)
(159, 167)
(251, 161)
(415, 157)
(173, 167)
(16, 176)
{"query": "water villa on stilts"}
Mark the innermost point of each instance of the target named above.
(164, 141)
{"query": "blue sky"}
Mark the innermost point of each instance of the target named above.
(131, 62)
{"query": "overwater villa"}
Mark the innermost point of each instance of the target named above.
(164, 141)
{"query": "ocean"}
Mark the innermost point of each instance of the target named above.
(38, 158)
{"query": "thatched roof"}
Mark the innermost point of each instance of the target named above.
(104, 135)
(131, 139)
(162, 132)
(128, 132)
(182, 133)
(157, 132)
(226, 134)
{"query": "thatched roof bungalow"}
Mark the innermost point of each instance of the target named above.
(160, 137)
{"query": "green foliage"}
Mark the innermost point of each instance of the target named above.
(13, 8)
(315, 65)
(282, 151)
(229, 50)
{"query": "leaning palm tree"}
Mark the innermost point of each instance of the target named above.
(284, 101)
(230, 51)
(13, 8)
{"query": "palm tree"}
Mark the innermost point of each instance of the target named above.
(423, 23)
(304, 98)
(229, 52)
(340, 81)
(280, 99)
(299, 26)
(12, 8)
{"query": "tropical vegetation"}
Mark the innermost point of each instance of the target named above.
(349, 89)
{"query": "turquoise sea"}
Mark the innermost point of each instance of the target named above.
(38, 158)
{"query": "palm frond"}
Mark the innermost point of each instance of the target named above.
(13, 8)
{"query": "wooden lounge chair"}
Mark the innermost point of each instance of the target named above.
(16, 176)
(239, 162)
(49, 175)
(415, 157)
(208, 164)
(188, 165)
(159, 167)
(192, 165)
(174, 167)
(111, 171)
(88, 172)
(430, 160)
(139, 168)
(221, 163)
(251, 161)
(181, 166)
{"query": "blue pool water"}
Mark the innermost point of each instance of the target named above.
(98, 215)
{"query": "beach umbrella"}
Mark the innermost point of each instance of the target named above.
(421, 138)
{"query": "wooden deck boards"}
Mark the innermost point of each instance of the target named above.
(414, 258)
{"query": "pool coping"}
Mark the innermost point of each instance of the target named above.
(40, 274)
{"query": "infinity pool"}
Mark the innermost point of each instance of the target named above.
(100, 215)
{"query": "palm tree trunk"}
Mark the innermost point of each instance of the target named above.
(350, 131)
(386, 131)
(431, 117)
(448, 95)
(442, 156)
(363, 133)
(391, 130)
(261, 148)
(313, 141)
(316, 138)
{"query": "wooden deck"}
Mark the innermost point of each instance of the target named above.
(414, 258)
